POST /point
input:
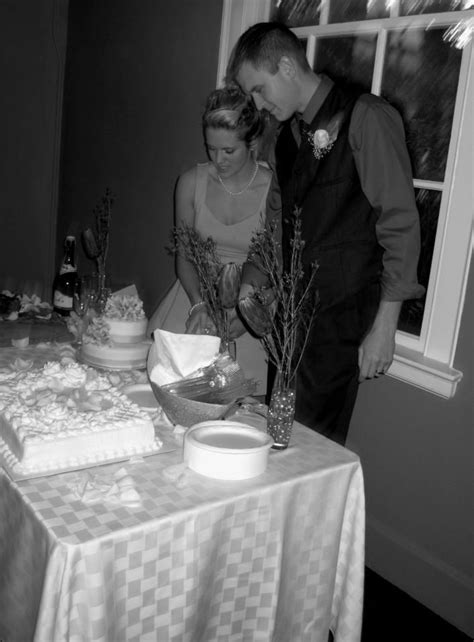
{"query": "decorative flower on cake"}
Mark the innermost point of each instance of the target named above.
(98, 332)
(124, 307)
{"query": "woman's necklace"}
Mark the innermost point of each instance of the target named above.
(245, 188)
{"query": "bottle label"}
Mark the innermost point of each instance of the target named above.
(62, 301)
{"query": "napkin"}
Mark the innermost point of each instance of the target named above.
(178, 474)
(116, 489)
(174, 356)
(129, 290)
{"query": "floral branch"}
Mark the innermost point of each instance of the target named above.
(219, 284)
(282, 313)
(96, 243)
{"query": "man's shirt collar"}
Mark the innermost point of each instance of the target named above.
(317, 99)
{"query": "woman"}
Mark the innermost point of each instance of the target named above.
(224, 199)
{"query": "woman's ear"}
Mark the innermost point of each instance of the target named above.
(253, 147)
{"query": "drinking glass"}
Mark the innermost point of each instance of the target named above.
(83, 300)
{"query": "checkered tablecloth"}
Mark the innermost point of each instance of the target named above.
(276, 558)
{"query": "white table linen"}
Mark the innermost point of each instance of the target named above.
(276, 558)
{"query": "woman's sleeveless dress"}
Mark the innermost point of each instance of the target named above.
(232, 243)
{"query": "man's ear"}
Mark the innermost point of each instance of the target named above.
(287, 66)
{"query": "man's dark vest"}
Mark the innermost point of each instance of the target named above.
(338, 222)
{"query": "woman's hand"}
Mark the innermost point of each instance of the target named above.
(199, 321)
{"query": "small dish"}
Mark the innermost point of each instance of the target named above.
(226, 450)
(142, 395)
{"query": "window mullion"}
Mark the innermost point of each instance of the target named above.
(435, 186)
(453, 240)
(324, 15)
(394, 8)
(380, 53)
(311, 50)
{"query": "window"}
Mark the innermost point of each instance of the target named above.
(412, 53)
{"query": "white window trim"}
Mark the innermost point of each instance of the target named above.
(425, 361)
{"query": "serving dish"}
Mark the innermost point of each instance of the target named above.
(142, 395)
(226, 450)
(187, 412)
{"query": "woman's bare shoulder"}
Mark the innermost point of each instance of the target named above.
(186, 184)
(266, 171)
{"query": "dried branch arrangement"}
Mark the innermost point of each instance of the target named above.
(282, 312)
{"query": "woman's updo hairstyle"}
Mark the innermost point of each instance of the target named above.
(229, 108)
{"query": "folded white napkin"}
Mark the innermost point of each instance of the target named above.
(130, 290)
(116, 489)
(174, 356)
(178, 474)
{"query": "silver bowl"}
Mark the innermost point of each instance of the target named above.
(187, 412)
(179, 410)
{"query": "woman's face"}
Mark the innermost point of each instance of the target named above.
(227, 152)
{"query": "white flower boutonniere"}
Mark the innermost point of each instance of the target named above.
(322, 140)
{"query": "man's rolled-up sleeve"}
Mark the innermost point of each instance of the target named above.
(377, 139)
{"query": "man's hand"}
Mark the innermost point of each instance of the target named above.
(377, 349)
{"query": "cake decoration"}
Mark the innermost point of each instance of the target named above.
(68, 416)
(117, 339)
(125, 307)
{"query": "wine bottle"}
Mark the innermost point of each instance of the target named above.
(65, 281)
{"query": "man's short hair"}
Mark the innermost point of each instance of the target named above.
(263, 45)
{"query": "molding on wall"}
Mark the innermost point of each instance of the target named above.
(237, 16)
(427, 374)
(59, 25)
(428, 579)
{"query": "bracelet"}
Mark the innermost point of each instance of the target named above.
(195, 307)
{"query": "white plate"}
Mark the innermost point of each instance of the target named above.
(226, 450)
(142, 395)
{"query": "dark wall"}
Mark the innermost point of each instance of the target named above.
(33, 41)
(416, 452)
(137, 76)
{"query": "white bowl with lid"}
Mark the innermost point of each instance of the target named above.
(226, 450)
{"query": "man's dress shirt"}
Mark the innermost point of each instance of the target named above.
(377, 140)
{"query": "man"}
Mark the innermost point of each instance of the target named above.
(341, 157)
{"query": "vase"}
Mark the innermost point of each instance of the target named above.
(281, 413)
(103, 292)
(228, 348)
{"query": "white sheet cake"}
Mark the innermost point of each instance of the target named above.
(67, 416)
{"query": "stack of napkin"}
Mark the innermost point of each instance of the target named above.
(173, 357)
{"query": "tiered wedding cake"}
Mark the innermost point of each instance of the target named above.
(116, 340)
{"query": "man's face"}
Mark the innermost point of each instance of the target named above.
(273, 92)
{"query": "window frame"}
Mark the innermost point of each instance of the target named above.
(425, 361)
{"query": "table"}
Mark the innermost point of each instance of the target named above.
(276, 558)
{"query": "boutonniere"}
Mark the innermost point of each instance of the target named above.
(322, 140)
